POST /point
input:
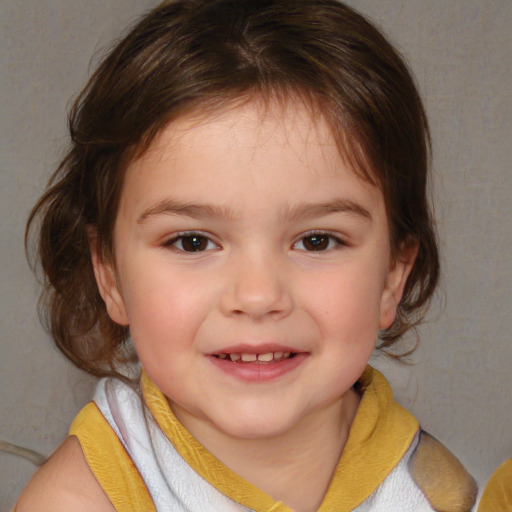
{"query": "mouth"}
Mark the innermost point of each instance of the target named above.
(262, 358)
(258, 364)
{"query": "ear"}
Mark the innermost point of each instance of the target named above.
(400, 268)
(108, 287)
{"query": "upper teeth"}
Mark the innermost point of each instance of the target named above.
(249, 358)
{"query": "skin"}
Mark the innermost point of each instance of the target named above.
(64, 482)
(257, 189)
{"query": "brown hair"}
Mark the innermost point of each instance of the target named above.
(193, 54)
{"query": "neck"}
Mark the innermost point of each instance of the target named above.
(295, 467)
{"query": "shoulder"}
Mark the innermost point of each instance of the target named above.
(441, 476)
(64, 483)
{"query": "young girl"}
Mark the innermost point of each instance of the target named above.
(244, 200)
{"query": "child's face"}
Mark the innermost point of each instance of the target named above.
(245, 235)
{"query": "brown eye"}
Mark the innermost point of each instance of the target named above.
(318, 242)
(194, 243)
(191, 243)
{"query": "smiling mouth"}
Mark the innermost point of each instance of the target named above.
(266, 358)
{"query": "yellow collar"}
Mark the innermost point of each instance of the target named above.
(380, 435)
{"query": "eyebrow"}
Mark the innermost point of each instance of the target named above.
(294, 213)
(313, 210)
(195, 211)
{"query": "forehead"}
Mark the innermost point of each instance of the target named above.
(246, 125)
(248, 146)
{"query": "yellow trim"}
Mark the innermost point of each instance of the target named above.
(497, 496)
(381, 434)
(110, 463)
(201, 460)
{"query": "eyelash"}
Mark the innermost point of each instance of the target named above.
(316, 239)
(333, 242)
(189, 236)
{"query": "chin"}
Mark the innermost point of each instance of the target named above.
(254, 431)
(259, 424)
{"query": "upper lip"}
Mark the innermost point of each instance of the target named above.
(263, 348)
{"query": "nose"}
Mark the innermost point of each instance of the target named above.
(256, 287)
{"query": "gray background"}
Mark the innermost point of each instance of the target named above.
(460, 52)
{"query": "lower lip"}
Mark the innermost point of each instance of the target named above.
(258, 372)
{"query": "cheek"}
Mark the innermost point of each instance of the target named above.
(348, 301)
(164, 312)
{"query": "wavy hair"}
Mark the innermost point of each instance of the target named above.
(201, 54)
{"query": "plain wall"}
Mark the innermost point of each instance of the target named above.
(460, 52)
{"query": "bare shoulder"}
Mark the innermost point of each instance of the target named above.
(64, 483)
